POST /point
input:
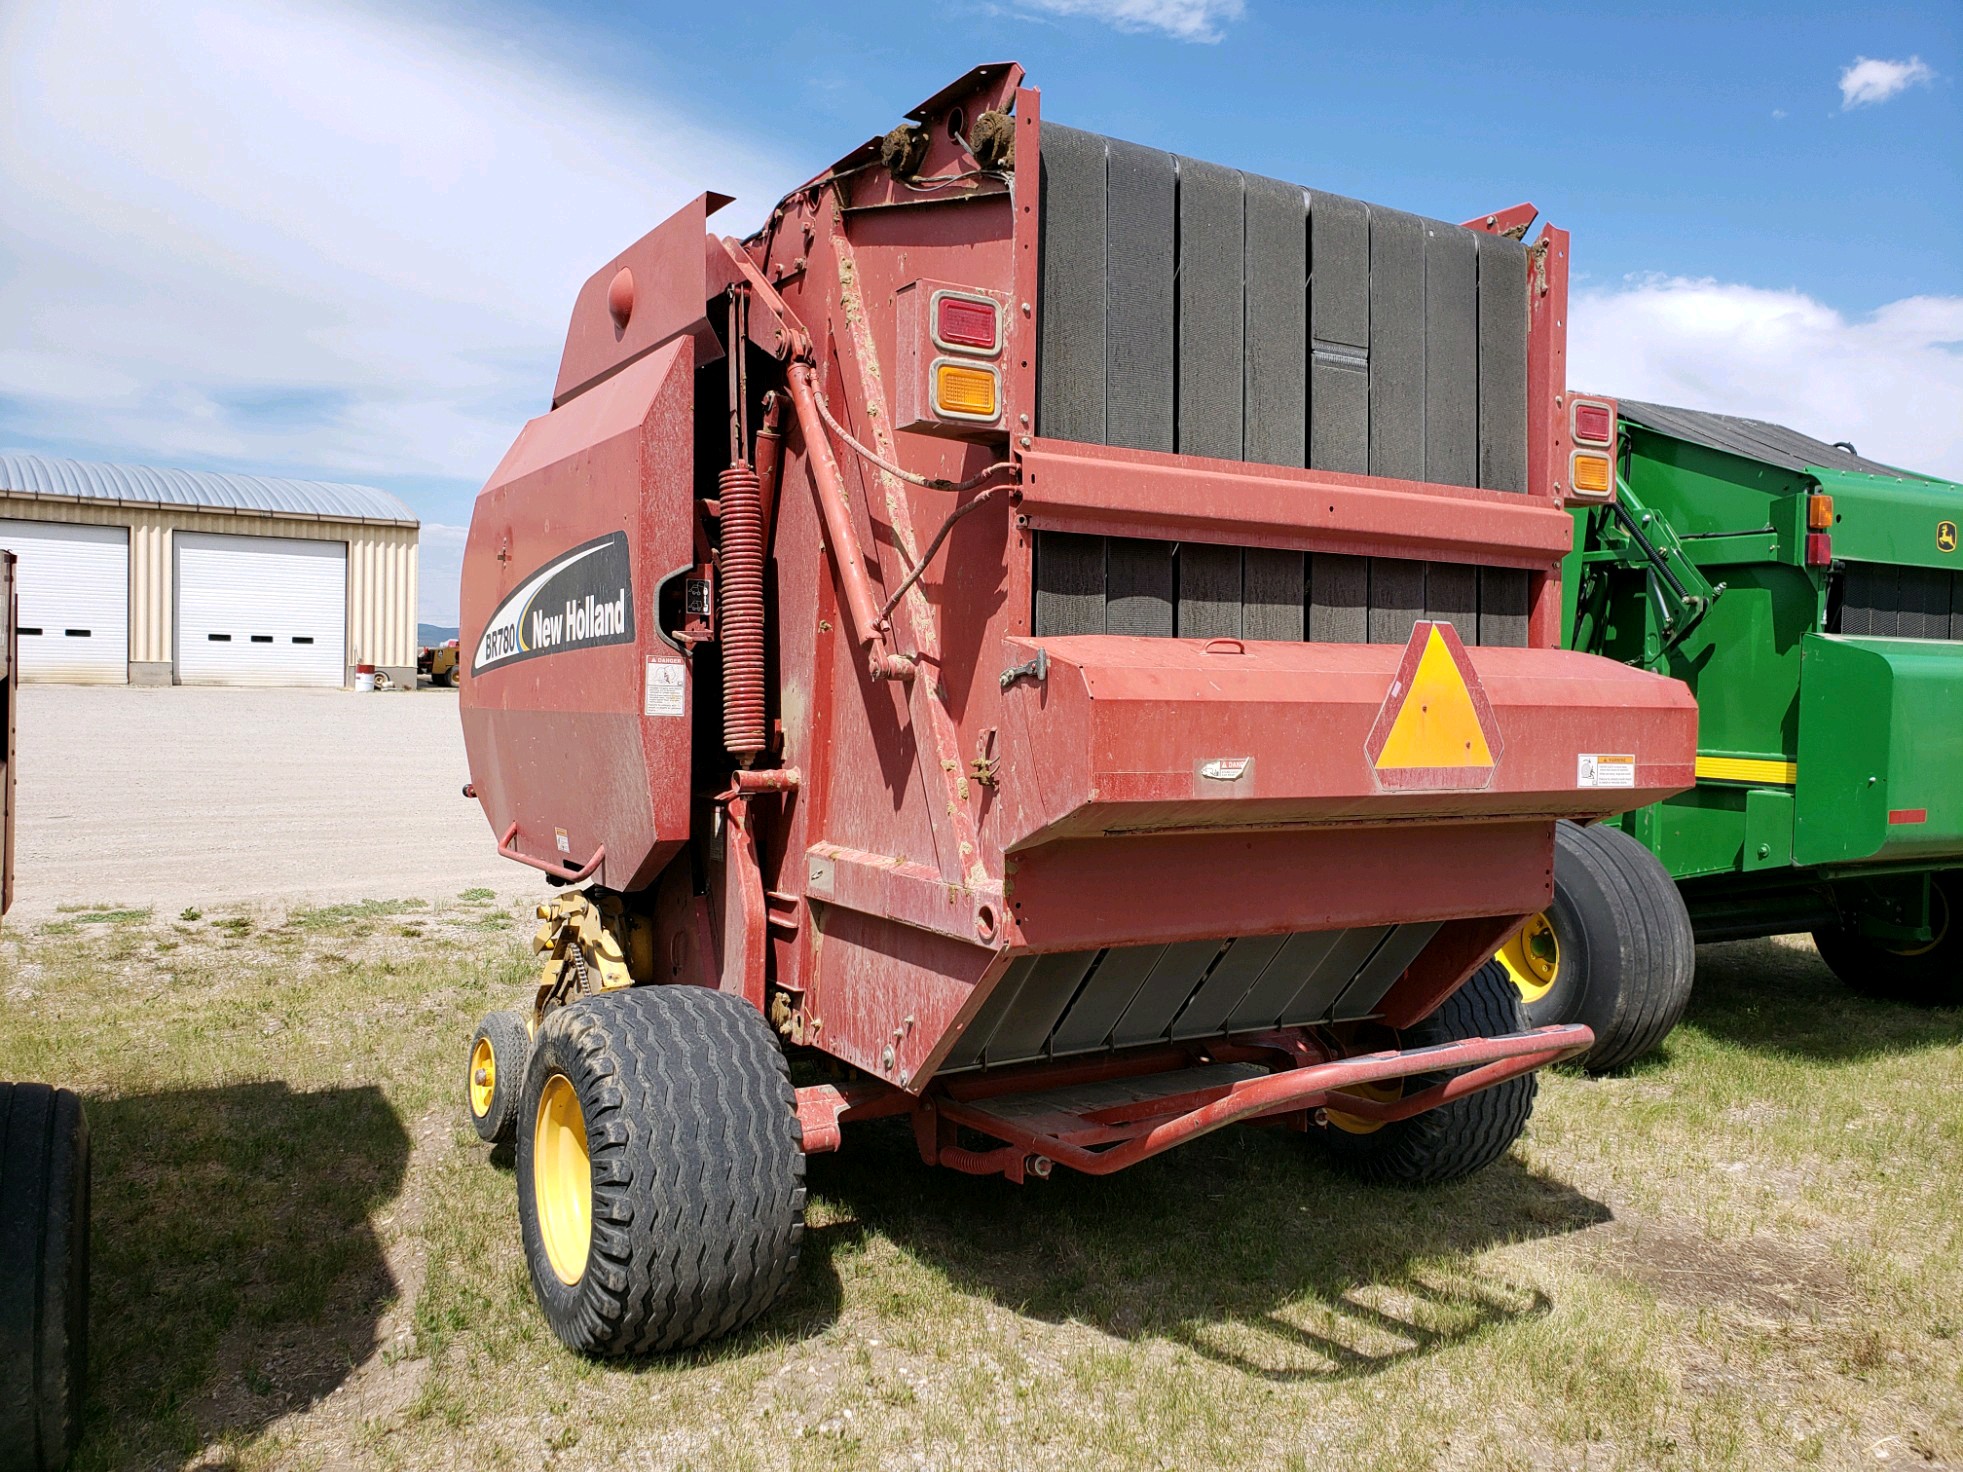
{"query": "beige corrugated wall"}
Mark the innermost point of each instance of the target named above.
(381, 569)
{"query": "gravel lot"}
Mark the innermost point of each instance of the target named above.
(195, 796)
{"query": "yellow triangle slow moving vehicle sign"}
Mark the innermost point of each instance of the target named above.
(1435, 729)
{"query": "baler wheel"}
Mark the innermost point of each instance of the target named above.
(495, 1075)
(660, 1169)
(44, 1274)
(1926, 975)
(1459, 1138)
(1614, 950)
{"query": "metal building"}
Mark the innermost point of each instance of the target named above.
(135, 575)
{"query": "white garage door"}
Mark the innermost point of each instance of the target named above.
(74, 586)
(260, 610)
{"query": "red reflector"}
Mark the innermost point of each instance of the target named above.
(1908, 815)
(1593, 424)
(1819, 549)
(967, 324)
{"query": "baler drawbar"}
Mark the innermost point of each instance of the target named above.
(1001, 644)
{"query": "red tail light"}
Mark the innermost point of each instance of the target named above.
(1819, 549)
(1594, 424)
(965, 322)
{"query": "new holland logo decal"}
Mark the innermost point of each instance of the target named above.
(580, 600)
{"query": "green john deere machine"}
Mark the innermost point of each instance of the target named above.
(1813, 601)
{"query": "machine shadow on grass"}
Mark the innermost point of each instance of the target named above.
(1242, 1247)
(1782, 999)
(236, 1277)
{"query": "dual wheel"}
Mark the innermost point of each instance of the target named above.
(1614, 950)
(660, 1163)
(44, 1274)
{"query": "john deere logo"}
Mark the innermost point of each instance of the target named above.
(1945, 536)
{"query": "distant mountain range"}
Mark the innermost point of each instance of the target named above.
(430, 635)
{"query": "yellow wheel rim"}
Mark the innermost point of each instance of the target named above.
(1388, 1092)
(1938, 932)
(1533, 958)
(483, 1077)
(562, 1179)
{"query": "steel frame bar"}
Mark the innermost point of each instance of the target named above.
(1103, 489)
(1491, 1061)
(847, 556)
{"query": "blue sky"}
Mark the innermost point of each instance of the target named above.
(310, 238)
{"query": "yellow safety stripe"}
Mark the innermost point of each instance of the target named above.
(1746, 769)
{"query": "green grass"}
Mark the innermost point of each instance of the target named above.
(1744, 1253)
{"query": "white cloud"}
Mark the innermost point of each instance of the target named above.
(1890, 382)
(300, 236)
(1183, 20)
(1870, 80)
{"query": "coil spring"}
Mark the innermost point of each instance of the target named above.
(740, 617)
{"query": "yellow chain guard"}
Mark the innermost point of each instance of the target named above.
(573, 934)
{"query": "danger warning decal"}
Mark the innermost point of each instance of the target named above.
(1435, 729)
(580, 600)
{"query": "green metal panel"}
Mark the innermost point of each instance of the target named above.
(1703, 577)
(1881, 734)
(1894, 521)
(1768, 829)
(1699, 832)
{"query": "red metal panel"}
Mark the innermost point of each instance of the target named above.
(1110, 491)
(1078, 893)
(559, 745)
(1129, 735)
(665, 291)
(1548, 440)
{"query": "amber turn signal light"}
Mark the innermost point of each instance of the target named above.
(1589, 475)
(966, 391)
(1819, 512)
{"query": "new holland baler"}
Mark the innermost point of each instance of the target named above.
(1061, 638)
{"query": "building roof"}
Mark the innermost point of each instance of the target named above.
(1755, 440)
(41, 476)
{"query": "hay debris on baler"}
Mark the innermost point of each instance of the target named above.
(997, 633)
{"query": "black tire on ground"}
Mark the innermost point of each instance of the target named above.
(1928, 975)
(1626, 952)
(492, 1104)
(685, 1105)
(44, 1273)
(1466, 1135)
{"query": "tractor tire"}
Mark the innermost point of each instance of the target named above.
(1459, 1138)
(1614, 950)
(1929, 975)
(660, 1169)
(44, 1274)
(494, 1075)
